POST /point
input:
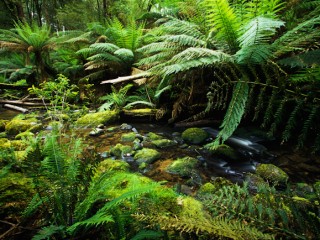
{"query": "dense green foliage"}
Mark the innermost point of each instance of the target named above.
(237, 61)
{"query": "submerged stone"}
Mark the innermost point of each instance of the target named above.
(147, 155)
(94, 119)
(183, 166)
(272, 173)
(194, 135)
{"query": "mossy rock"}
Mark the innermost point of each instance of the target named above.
(26, 135)
(183, 166)
(18, 145)
(147, 155)
(128, 137)
(5, 144)
(272, 173)
(3, 134)
(207, 188)
(16, 126)
(109, 165)
(119, 150)
(153, 136)
(140, 112)
(163, 143)
(194, 135)
(3, 124)
(94, 119)
(20, 155)
(224, 150)
(16, 191)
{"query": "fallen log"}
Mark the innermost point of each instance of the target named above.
(18, 102)
(127, 78)
(20, 109)
(12, 86)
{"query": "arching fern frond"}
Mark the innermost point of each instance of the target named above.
(234, 112)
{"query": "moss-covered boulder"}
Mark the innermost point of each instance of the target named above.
(183, 166)
(207, 188)
(128, 137)
(223, 150)
(120, 150)
(153, 136)
(147, 155)
(5, 144)
(194, 135)
(163, 143)
(272, 173)
(3, 124)
(26, 135)
(94, 119)
(109, 165)
(3, 134)
(16, 191)
(16, 126)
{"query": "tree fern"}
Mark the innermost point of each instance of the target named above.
(292, 121)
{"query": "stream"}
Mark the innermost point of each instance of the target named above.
(298, 165)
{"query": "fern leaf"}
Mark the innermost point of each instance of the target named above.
(234, 113)
(47, 232)
(147, 234)
(292, 121)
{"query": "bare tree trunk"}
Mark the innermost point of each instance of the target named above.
(20, 109)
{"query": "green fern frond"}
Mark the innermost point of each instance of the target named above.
(307, 75)
(254, 54)
(297, 38)
(307, 125)
(126, 55)
(223, 22)
(34, 205)
(292, 121)
(269, 110)
(103, 57)
(104, 47)
(47, 232)
(234, 113)
(259, 30)
(306, 59)
(183, 40)
(278, 115)
(147, 234)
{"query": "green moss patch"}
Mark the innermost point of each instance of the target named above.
(147, 155)
(183, 166)
(194, 135)
(94, 119)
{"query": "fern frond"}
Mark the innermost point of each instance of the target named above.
(254, 54)
(234, 113)
(147, 234)
(292, 121)
(103, 57)
(223, 21)
(297, 38)
(47, 232)
(183, 40)
(306, 59)
(104, 47)
(307, 126)
(278, 116)
(126, 55)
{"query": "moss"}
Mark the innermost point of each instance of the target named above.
(272, 173)
(18, 145)
(119, 150)
(20, 155)
(109, 165)
(147, 155)
(94, 119)
(191, 209)
(16, 191)
(26, 134)
(3, 134)
(128, 137)
(225, 151)
(153, 136)
(194, 135)
(207, 188)
(3, 124)
(5, 144)
(163, 143)
(140, 112)
(16, 126)
(183, 166)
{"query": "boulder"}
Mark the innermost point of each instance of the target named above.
(147, 155)
(194, 135)
(183, 166)
(121, 150)
(94, 119)
(16, 126)
(153, 136)
(128, 137)
(96, 132)
(272, 173)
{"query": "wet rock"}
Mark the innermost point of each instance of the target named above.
(272, 173)
(128, 137)
(194, 135)
(224, 151)
(183, 166)
(137, 145)
(96, 132)
(94, 119)
(163, 143)
(147, 155)
(125, 126)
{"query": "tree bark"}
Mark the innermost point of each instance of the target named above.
(20, 109)
(18, 102)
